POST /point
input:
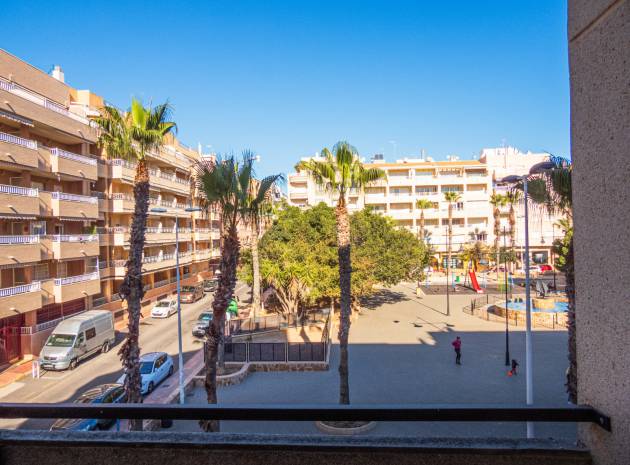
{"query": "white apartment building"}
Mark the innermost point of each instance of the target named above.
(411, 179)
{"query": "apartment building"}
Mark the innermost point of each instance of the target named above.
(411, 179)
(65, 211)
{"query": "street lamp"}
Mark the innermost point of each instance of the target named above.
(180, 359)
(507, 331)
(529, 383)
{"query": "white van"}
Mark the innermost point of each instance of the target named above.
(77, 338)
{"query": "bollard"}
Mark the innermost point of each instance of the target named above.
(35, 369)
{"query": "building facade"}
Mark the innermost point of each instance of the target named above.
(65, 211)
(409, 180)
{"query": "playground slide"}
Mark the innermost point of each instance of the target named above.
(475, 284)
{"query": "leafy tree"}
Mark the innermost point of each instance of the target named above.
(339, 172)
(422, 205)
(131, 135)
(497, 201)
(227, 187)
(475, 253)
(451, 198)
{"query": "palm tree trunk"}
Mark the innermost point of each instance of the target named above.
(497, 231)
(222, 297)
(345, 271)
(571, 329)
(422, 225)
(256, 269)
(512, 231)
(450, 235)
(132, 290)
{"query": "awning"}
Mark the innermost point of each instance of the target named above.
(17, 217)
(16, 118)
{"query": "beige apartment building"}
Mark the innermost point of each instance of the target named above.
(65, 211)
(475, 180)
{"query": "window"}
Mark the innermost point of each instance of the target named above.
(41, 272)
(80, 340)
(90, 333)
(159, 362)
(38, 228)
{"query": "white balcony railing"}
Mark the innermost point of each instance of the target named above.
(74, 238)
(38, 99)
(22, 289)
(77, 279)
(123, 163)
(57, 152)
(73, 197)
(16, 190)
(19, 239)
(11, 139)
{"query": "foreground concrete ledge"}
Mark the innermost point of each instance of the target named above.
(273, 441)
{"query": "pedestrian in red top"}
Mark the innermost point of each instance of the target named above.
(457, 345)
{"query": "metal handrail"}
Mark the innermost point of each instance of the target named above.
(76, 279)
(11, 139)
(17, 190)
(74, 237)
(30, 239)
(22, 289)
(72, 156)
(73, 197)
(310, 412)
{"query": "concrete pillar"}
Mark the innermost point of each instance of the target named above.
(599, 56)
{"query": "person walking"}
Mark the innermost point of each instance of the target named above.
(457, 345)
(514, 365)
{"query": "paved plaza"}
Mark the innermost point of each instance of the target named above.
(401, 353)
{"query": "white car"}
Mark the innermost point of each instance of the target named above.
(155, 367)
(164, 309)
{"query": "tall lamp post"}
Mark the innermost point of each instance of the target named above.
(507, 331)
(180, 358)
(529, 382)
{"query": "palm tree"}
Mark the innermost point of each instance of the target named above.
(228, 187)
(130, 136)
(551, 191)
(474, 253)
(422, 205)
(451, 197)
(337, 174)
(512, 197)
(497, 201)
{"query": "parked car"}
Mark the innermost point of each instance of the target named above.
(76, 338)
(190, 294)
(164, 308)
(203, 321)
(103, 394)
(210, 285)
(545, 268)
(155, 367)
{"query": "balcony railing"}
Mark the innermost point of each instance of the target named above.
(158, 258)
(74, 238)
(73, 197)
(16, 190)
(11, 139)
(57, 152)
(22, 289)
(123, 163)
(32, 239)
(76, 279)
(38, 99)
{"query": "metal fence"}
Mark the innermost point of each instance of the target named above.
(275, 322)
(275, 352)
(479, 307)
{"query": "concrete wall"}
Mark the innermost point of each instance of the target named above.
(599, 54)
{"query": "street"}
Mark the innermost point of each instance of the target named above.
(65, 386)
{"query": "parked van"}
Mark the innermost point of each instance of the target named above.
(191, 294)
(76, 338)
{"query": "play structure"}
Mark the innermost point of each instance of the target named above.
(474, 283)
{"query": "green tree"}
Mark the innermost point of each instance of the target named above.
(475, 253)
(422, 205)
(227, 186)
(497, 201)
(551, 192)
(339, 172)
(131, 135)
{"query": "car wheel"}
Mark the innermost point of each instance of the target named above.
(150, 388)
(105, 347)
(170, 370)
(73, 364)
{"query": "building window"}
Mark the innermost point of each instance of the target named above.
(38, 228)
(41, 272)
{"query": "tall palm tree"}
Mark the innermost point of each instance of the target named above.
(131, 135)
(551, 191)
(227, 187)
(511, 198)
(497, 201)
(339, 172)
(422, 205)
(451, 197)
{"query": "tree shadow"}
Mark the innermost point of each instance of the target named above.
(383, 297)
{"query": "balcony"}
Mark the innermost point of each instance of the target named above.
(18, 151)
(16, 200)
(67, 246)
(298, 194)
(122, 170)
(202, 234)
(20, 299)
(75, 287)
(19, 250)
(399, 181)
(73, 206)
(73, 164)
(400, 214)
(203, 254)
(157, 262)
(36, 107)
(169, 181)
(173, 157)
(298, 177)
(477, 195)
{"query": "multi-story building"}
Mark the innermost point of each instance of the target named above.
(65, 211)
(408, 180)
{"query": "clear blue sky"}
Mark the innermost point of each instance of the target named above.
(286, 78)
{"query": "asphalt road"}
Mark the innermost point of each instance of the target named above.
(65, 386)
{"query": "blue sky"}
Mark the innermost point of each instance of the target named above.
(286, 78)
